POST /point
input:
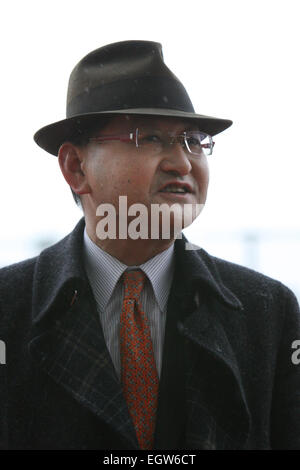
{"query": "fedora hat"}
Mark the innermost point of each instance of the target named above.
(127, 77)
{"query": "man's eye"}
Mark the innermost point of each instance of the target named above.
(151, 138)
(194, 142)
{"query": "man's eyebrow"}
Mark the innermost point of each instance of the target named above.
(190, 127)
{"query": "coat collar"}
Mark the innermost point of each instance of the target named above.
(60, 274)
(200, 271)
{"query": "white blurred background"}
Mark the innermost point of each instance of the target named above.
(237, 60)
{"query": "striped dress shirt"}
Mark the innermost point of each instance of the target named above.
(104, 273)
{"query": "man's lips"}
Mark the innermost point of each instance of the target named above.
(174, 185)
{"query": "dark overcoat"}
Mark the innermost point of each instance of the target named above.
(228, 380)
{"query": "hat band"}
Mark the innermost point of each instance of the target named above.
(144, 92)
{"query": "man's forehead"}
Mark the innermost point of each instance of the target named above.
(126, 122)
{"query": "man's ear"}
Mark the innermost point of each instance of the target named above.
(70, 161)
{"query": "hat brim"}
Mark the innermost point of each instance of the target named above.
(51, 137)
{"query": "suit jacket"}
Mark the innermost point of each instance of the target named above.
(228, 381)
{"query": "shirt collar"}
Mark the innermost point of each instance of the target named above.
(104, 271)
(159, 270)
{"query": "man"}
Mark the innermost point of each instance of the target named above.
(121, 341)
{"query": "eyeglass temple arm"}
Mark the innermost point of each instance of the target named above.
(206, 146)
(123, 138)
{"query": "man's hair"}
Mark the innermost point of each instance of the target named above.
(81, 139)
(76, 198)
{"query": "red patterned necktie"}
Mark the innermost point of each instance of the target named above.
(138, 369)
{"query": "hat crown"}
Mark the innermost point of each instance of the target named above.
(127, 74)
(115, 62)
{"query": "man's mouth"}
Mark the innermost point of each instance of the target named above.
(177, 188)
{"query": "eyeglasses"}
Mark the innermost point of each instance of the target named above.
(155, 141)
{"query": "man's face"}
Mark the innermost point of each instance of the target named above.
(115, 168)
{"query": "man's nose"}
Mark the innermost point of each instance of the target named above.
(176, 158)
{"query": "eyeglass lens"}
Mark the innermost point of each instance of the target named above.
(154, 141)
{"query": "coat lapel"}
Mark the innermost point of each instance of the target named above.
(217, 410)
(217, 414)
(68, 342)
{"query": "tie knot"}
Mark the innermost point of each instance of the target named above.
(133, 283)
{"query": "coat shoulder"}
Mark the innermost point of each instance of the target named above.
(247, 282)
(16, 281)
(16, 274)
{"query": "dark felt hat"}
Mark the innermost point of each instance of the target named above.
(128, 77)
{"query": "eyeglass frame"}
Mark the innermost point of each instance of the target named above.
(133, 137)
